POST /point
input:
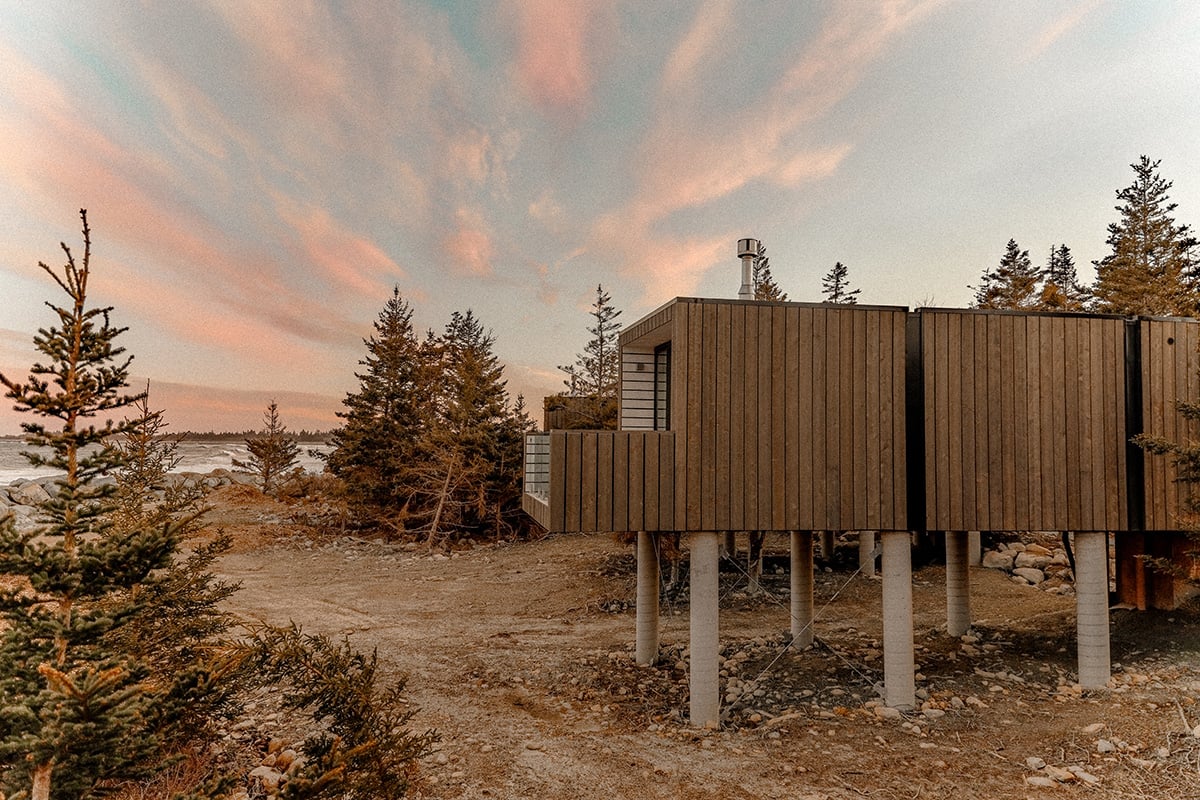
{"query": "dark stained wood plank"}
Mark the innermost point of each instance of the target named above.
(558, 482)
(589, 486)
(803, 385)
(983, 425)
(967, 423)
(1074, 418)
(708, 476)
(1045, 413)
(857, 365)
(995, 387)
(887, 418)
(620, 492)
(666, 465)
(605, 480)
(1061, 415)
(680, 346)
(1032, 413)
(1099, 439)
(944, 481)
(1113, 359)
(819, 419)
(932, 377)
(637, 481)
(1019, 424)
(846, 488)
(573, 478)
(750, 416)
(778, 418)
(724, 392)
(650, 492)
(1008, 455)
(737, 419)
(870, 491)
(951, 514)
(900, 520)
(695, 416)
(765, 431)
(791, 417)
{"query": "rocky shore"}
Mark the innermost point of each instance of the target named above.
(22, 498)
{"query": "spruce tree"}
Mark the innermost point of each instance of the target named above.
(595, 376)
(765, 287)
(375, 448)
(1061, 290)
(1013, 284)
(470, 469)
(836, 286)
(273, 452)
(76, 710)
(1152, 267)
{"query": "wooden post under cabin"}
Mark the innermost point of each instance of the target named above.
(704, 634)
(802, 589)
(958, 583)
(646, 647)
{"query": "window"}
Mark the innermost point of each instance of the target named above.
(662, 387)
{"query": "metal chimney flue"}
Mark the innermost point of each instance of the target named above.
(747, 252)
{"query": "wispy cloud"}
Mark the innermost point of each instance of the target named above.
(696, 155)
(1059, 27)
(556, 51)
(469, 247)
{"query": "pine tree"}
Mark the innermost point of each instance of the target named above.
(76, 711)
(595, 376)
(375, 448)
(1013, 284)
(470, 470)
(273, 452)
(1061, 290)
(763, 282)
(1152, 268)
(836, 286)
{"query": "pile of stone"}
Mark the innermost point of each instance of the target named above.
(1033, 564)
(22, 498)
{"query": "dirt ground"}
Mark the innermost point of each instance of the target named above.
(520, 656)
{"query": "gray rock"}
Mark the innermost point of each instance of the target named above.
(30, 494)
(1034, 576)
(1034, 763)
(1034, 560)
(1039, 780)
(267, 776)
(995, 560)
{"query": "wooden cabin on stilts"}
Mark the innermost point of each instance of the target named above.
(738, 416)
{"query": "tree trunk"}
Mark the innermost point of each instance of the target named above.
(443, 498)
(41, 781)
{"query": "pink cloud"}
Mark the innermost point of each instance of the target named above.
(470, 247)
(693, 157)
(1059, 27)
(555, 61)
(347, 261)
(703, 41)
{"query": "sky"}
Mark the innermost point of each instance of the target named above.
(259, 175)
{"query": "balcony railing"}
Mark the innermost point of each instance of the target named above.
(580, 481)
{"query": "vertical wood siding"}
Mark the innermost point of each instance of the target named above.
(789, 416)
(1169, 376)
(610, 481)
(1024, 421)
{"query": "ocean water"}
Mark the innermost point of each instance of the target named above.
(196, 457)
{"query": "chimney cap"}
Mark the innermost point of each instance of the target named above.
(747, 247)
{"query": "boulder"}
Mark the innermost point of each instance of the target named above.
(1034, 576)
(1037, 550)
(1030, 559)
(30, 494)
(996, 560)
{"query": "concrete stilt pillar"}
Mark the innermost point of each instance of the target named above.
(828, 542)
(646, 649)
(958, 584)
(705, 705)
(866, 547)
(898, 663)
(974, 548)
(1091, 608)
(802, 589)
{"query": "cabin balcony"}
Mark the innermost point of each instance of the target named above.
(600, 481)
